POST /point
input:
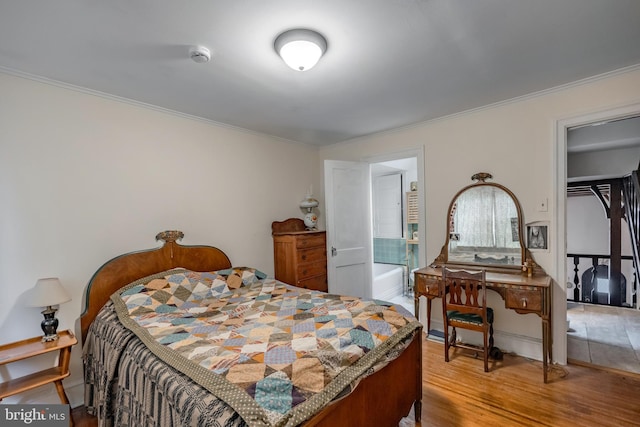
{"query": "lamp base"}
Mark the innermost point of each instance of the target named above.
(310, 221)
(49, 325)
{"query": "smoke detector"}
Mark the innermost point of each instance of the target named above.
(199, 54)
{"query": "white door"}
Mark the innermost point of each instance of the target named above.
(348, 220)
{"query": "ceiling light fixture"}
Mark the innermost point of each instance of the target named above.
(300, 49)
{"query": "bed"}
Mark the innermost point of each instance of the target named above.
(148, 362)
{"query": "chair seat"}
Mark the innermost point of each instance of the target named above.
(473, 319)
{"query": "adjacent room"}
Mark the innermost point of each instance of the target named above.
(310, 213)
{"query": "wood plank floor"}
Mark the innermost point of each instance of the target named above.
(461, 394)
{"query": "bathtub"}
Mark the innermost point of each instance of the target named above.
(388, 281)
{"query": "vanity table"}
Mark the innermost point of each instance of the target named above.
(498, 249)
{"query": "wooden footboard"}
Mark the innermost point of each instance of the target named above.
(383, 398)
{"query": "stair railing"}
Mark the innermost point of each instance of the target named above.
(631, 194)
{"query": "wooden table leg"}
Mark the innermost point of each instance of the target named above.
(61, 392)
(428, 315)
(416, 307)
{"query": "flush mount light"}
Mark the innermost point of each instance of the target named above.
(300, 48)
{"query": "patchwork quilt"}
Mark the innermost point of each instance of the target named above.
(275, 353)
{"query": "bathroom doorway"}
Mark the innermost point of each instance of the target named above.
(395, 228)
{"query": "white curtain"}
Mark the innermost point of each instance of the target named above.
(483, 219)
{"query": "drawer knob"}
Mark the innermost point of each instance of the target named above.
(304, 257)
(524, 302)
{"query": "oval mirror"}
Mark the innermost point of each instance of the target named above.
(484, 226)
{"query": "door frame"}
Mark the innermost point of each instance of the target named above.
(560, 188)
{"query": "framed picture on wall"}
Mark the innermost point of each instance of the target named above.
(538, 236)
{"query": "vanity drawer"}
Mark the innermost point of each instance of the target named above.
(426, 285)
(523, 299)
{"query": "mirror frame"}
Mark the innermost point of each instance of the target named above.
(443, 258)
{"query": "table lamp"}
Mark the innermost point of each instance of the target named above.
(47, 293)
(310, 219)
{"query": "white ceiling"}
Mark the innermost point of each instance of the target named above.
(616, 134)
(389, 63)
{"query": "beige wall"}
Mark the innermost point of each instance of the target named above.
(84, 178)
(516, 142)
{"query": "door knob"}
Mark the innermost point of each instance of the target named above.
(334, 251)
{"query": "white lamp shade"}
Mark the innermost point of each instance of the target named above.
(308, 203)
(300, 49)
(301, 55)
(48, 291)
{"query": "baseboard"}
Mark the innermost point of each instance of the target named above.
(75, 393)
(435, 336)
(508, 342)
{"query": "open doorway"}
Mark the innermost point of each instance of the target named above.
(395, 229)
(603, 321)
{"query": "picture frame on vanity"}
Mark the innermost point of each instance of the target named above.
(538, 236)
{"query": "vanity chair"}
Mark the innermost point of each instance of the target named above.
(464, 305)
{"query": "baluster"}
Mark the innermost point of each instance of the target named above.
(594, 280)
(634, 298)
(576, 279)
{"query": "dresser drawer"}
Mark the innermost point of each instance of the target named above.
(426, 285)
(312, 255)
(310, 241)
(317, 283)
(313, 269)
(523, 299)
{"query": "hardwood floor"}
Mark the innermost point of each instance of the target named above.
(461, 394)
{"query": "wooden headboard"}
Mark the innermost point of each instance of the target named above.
(124, 269)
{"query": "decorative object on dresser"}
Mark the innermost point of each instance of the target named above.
(498, 249)
(310, 218)
(300, 255)
(47, 293)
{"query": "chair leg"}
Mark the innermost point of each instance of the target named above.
(446, 342)
(488, 347)
(486, 352)
(490, 335)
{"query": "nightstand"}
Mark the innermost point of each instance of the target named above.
(31, 347)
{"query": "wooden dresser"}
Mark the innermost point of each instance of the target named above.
(300, 256)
